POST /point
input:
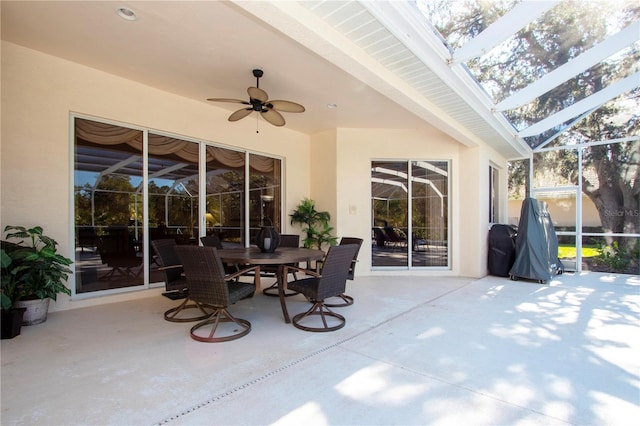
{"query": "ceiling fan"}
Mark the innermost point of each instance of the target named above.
(259, 101)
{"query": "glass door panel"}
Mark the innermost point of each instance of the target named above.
(389, 204)
(429, 213)
(264, 194)
(173, 189)
(225, 182)
(108, 207)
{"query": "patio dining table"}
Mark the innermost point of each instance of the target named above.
(281, 257)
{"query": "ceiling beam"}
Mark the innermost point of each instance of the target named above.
(510, 23)
(168, 170)
(564, 129)
(575, 66)
(592, 102)
(117, 167)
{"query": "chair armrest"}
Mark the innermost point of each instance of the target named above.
(164, 268)
(255, 269)
(291, 268)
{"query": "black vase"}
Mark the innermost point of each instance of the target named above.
(268, 239)
(11, 322)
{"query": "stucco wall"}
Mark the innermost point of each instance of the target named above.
(356, 149)
(324, 173)
(562, 211)
(38, 94)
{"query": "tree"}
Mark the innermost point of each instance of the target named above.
(562, 34)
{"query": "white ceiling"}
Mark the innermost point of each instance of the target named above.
(310, 55)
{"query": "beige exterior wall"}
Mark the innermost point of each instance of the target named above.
(562, 210)
(323, 173)
(40, 92)
(469, 189)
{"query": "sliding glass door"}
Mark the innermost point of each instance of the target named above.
(225, 197)
(108, 206)
(409, 206)
(132, 186)
(264, 193)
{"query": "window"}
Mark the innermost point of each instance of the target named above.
(494, 195)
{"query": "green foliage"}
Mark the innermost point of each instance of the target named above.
(614, 257)
(10, 276)
(316, 224)
(36, 271)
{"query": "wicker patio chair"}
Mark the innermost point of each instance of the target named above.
(348, 300)
(286, 240)
(118, 252)
(211, 241)
(175, 282)
(215, 241)
(329, 283)
(208, 285)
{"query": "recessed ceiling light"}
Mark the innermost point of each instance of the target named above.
(126, 13)
(332, 106)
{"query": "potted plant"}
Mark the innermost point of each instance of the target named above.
(42, 271)
(315, 224)
(10, 272)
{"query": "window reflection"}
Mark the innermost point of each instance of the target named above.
(427, 237)
(110, 229)
(108, 207)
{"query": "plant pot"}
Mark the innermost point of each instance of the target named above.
(11, 322)
(36, 310)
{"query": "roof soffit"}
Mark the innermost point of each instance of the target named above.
(341, 44)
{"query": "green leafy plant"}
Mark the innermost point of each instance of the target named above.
(613, 257)
(10, 272)
(315, 224)
(36, 271)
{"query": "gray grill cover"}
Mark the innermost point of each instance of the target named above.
(536, 243)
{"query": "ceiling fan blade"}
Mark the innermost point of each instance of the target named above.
(257, 93)
(287, 106)
(273, 117)
(235, 101)
(241, 113)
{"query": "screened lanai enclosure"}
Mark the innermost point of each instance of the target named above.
(561, 78)
(555, 82)
(133, 186)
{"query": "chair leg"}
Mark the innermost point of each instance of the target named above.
(218, 316)
(348, 301)
(319, 309)
(172, 314)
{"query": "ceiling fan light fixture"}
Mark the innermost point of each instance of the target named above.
(126, 13)
(332, 106)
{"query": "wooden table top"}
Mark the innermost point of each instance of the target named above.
(282, 255)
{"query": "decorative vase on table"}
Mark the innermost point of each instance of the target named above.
(268, 239)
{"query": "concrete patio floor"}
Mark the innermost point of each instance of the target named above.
(415, 350)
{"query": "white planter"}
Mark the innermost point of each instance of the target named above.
(36, 312)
